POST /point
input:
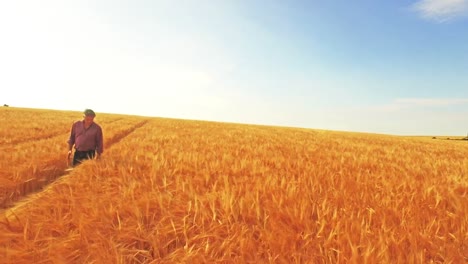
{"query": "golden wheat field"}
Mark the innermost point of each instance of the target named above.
(184, 191)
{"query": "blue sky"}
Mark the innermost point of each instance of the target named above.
(392, 67)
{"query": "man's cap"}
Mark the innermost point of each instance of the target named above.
(89, 112)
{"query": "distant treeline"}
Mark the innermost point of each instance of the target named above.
(466, 138)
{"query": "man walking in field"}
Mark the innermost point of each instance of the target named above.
(87, 138)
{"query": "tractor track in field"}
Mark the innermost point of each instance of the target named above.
(49, 173)
(118, 137)
(13, 143)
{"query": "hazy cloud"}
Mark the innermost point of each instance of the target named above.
(431, 102)
(401, 104)
(441, 10)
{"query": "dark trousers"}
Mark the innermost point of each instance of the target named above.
(82, 155)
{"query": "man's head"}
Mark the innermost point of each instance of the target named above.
(89, 115)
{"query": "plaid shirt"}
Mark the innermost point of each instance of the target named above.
(86, 139)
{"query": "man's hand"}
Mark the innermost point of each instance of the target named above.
(69, 154)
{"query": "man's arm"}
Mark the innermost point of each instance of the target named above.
(99, 142)
(71, 139)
